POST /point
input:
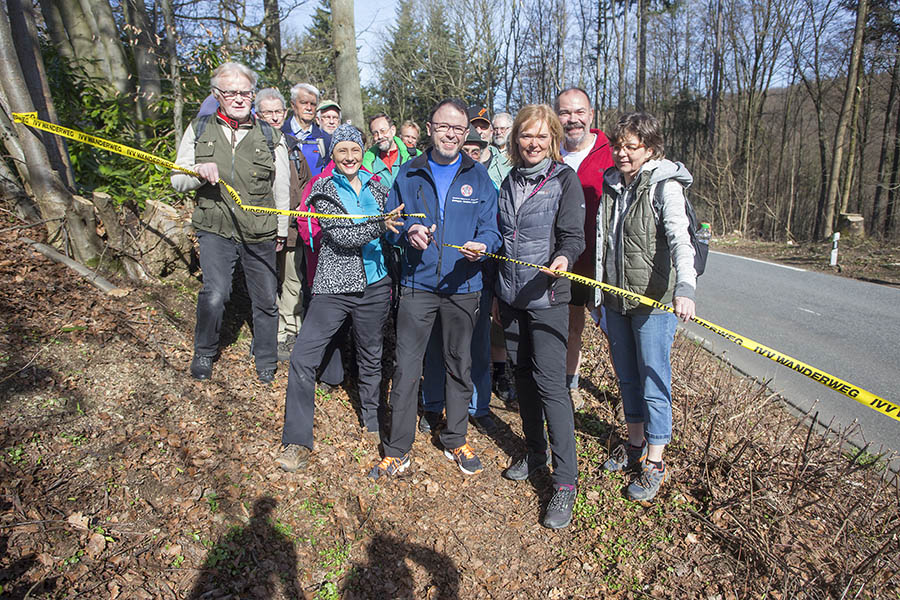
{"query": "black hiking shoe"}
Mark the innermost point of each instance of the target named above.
(559, 511)
(201, 367)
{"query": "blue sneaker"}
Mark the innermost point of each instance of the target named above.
(465, 459)
(390, 466)
(645, 487)
(626, 457)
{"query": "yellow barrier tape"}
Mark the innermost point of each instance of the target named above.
(31, 120)
(885, 407)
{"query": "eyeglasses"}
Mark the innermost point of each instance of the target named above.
(568, 113)
(445, 127)
(268, 114)
(629, 148)
(501, 129)
(231, 94)
(381, 132)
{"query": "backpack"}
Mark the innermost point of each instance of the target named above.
(701, 249)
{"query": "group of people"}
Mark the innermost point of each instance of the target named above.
(408, 229)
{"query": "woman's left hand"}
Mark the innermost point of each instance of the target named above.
(560, 263)
(685, 308)
(392, 220)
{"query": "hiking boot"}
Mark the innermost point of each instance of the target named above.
(526, 466)
(645, 487)
(285, 347)
(293, 457)
(429, 421)
(465, 459)
(626, 457)
(201, 367)
(485, 423)
(559, 511)
(390, 466)
(266, 376)
(504, 388)
(325, 388)
(577, 399)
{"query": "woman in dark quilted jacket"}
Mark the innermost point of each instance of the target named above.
(351, 281)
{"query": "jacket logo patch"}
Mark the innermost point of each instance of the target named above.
(466, 190)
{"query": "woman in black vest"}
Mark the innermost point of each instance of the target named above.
(541, 214)
(647, 250)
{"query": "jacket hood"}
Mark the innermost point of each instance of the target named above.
(657, 170)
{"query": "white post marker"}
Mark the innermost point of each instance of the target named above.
(834, 248)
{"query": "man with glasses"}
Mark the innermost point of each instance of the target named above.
(314, 141)
(328, 116)
(459, 202)
(587, 151)
(270, 106)
(389, 152)
(252, 157)
(501, 125)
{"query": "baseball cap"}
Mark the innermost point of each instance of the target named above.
(478, 112)
(325, 104)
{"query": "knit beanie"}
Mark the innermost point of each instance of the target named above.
(346, 133)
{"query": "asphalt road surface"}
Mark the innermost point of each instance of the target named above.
(847, 328)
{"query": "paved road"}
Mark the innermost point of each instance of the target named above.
(845, 327)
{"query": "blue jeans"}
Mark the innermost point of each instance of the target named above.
(435, 373)
(641, 346)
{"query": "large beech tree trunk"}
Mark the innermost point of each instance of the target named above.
(21, 19)
(346, 66)
(149, 89)
(53, 199)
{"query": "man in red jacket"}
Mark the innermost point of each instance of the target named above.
(587, 151)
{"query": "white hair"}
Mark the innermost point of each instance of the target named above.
(233, 67)
(502, 116)
(269, 93)
(306, 87)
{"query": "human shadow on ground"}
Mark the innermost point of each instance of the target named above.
(252, 561)
(385, 573)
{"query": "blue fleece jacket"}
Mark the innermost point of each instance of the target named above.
(470, 214)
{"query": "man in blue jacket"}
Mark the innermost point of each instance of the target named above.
(437, 282)
(314, 141)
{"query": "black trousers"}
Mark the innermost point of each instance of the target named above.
(218, 257)
(326, 314)
(415, 317)
(536, 342)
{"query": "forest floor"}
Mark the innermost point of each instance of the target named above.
(875, 261)
(124, 478)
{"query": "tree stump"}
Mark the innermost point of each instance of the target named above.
(851, 224)
(167, 241)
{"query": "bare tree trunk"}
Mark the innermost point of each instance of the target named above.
(716, 79)
(272, 22)
(174, 70)
(53, 199)
(623, 57)
(57, 31)
(149, 89)
(78, 30)
(843, 121)
(847, 182)
(346, 66)
(894, 185)
(881, 183)
(640, 89)
(21, 18)
(100, 14)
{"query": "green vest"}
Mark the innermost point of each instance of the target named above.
(250, 170)
(643, 261)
